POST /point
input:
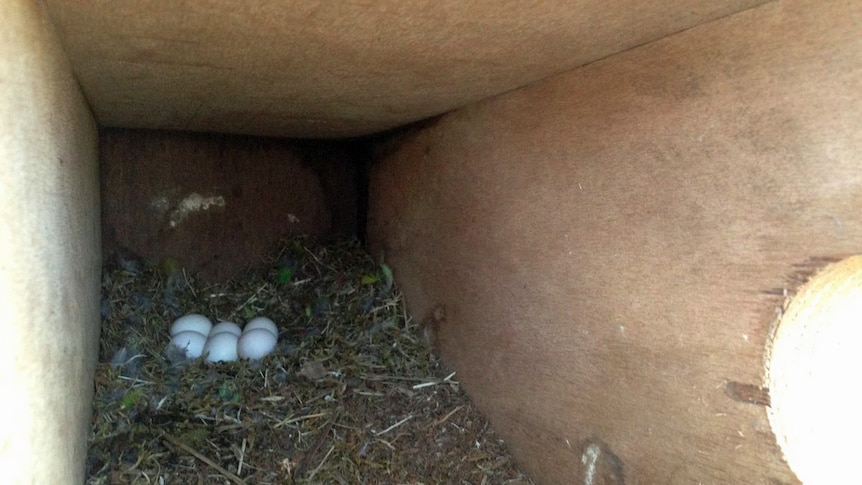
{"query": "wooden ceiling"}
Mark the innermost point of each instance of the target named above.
(337, 69)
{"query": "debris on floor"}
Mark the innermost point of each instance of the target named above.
(352, 393)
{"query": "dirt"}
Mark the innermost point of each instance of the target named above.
(352, 394)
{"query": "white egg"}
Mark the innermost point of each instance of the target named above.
(221, 347)
(256, 344)
(261, 322)
(192, 321)
(226, 327)
(190, 341)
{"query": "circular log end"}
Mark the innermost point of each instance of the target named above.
(813, 368)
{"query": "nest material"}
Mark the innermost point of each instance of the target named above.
(351, 395)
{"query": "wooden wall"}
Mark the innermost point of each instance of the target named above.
(49, 254)
(601, 255)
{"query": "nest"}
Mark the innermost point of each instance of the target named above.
(353, 394)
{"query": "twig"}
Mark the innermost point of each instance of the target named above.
(446, 380)
(135, 380)
(189, 284)
(399, 423)
(326, 457)
(446, 418)
(179, 444)
(381, 377)
(241, 457)
(319, 261)
(247, 301)
(324, 432)
(291, 420)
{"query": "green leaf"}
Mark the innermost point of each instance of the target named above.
(131, 399)
(387, 275)
(370, 279)
(228, 392)
(284, 275)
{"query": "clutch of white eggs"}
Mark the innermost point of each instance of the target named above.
(224, 341)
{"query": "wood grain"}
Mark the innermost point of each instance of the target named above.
(613, 245)
(351, 67)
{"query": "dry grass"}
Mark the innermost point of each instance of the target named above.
(352, 394)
